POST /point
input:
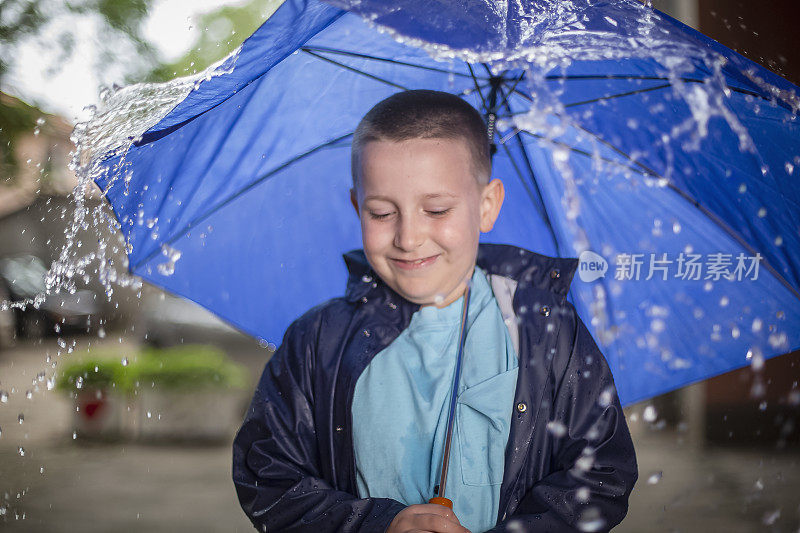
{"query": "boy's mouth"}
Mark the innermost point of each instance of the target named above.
(414, 264)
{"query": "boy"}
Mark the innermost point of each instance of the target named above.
(346, 428)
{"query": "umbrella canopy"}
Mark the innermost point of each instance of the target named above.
(660, 157)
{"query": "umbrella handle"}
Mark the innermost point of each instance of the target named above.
(441, 501)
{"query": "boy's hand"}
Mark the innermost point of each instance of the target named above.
(428, 518)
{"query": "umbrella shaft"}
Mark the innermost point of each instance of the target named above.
(456, 378)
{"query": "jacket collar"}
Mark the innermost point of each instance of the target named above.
(529, 269)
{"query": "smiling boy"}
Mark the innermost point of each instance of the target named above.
(346, 427)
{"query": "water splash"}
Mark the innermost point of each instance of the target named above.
(108, 130)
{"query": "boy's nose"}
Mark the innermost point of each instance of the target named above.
(409, 234)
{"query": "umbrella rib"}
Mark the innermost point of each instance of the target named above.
(588, 154)
(527, 160)
(477, 87)
(687, 197)
(650, 78)
(525, 184)
(352, 69)
(619, 95)
(180, 233)
(384, 59)
(510, 91)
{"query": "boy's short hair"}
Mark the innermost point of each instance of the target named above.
(425, 114)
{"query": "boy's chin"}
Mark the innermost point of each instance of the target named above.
(421, 297)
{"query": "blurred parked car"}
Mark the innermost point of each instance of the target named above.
(23, 277)
(170, 320)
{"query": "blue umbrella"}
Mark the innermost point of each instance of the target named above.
(659, 156)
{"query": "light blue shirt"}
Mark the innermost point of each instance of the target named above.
(401, 401)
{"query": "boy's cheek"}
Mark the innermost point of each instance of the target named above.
(375, 242)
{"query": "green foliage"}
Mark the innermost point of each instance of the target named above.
(16, 118)
(188, 367)
(222, 31)
(94, 372)
(20, 19)
(17, 18)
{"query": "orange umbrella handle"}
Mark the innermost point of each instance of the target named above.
(441, 501)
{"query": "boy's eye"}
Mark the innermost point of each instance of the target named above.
(439, 212)
(378, 216)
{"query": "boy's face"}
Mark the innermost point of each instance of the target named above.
(422, 211)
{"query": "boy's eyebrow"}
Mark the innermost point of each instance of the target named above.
(427, 196)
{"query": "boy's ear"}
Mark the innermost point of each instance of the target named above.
(491, 201)
(354, 201)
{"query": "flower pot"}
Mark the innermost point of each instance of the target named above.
(99, 414)
(197, 415)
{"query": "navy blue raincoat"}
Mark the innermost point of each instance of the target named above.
(569, 458)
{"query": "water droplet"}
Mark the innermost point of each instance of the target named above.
(591, 520)
(655, 477)
(21, 451)
(759, 484)
(762, 212)
(366, 278)
(29, 394)
(770, 517)
(124, 361)
(794, 398)
(650, 414)
(606, 397)
(41, 470)
(762, 406)
(756, 359)
(556, 428)
(101, 332)
(20, 418)
(172, 255)
(758, 389)
(3, 396)
(74, 435)
(724, 301)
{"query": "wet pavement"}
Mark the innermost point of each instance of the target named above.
(63, 484)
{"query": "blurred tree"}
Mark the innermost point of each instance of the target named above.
(16, 118)
(222, 31)
(20, 20)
